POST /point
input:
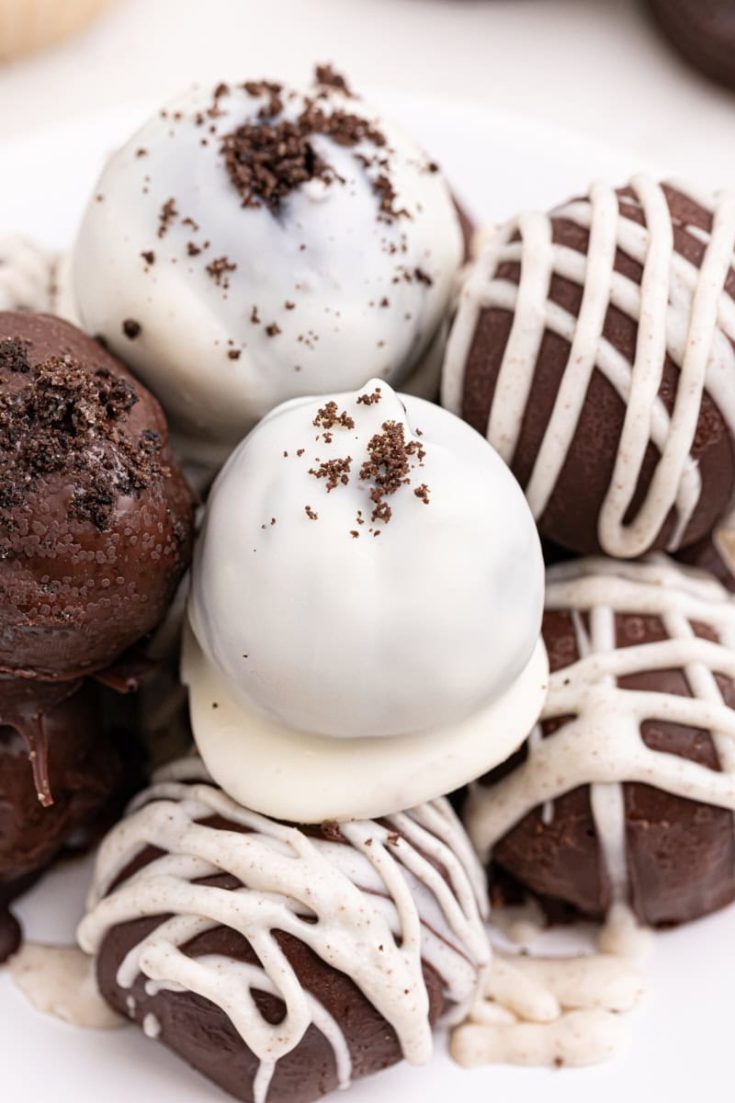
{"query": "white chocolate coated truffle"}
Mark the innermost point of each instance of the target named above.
(338, 263)
(367, 568)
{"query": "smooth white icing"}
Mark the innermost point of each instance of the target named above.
(351, 627)
(309, 778)
(326, 251)
(381, 903)
(601, 745)
(60, 981)
(680, 309)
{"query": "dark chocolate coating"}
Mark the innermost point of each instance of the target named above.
(680, 853)
(201, 1034)
(715, 554)
(95, 516)
(571, 516)
(79, 770)
(702, 32)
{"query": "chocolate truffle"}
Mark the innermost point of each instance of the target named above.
(715, 553)
(272, 243)
(625, 792)
(703, 32)
(95, 517)
(59, 771)
(284, 962)
(594, 348)
(366, 604)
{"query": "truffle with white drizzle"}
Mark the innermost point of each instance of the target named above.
(282, 962)
(34, 279)
(366, 603)
(267, 243)
(594, 348)
(623, 797)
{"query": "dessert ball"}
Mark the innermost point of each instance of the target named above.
(594, 348)
(95, 517)
(702, 33)
(625, 792)
(284, 962)
(368, 575)
(59, 771)
(253, 243)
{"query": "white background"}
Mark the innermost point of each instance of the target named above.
(594, 64)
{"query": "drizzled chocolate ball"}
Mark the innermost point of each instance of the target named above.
(625, 792)
(593, 346)
(284, 962)
(54, 800)
(95, 517)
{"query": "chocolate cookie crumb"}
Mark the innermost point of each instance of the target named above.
(336, 472)
(131, 328)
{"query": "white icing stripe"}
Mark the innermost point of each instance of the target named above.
(677, 308)
(601, 745)
(382, 909)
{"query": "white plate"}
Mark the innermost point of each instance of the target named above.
(683, 1034)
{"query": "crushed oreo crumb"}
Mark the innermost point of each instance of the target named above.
(328, 417)
(68, 420)
(370, 399)
(166, 216)
(219, 271)
(131, 328)
(388, 466)
(336, 472)
(327, 76)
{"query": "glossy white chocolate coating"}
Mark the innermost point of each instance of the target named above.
(337, 281)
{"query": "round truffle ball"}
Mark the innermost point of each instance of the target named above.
(95, 517)
(594, 348)
(59, 771)
(625, 793)
(284, 962)
(267, 243)
(367, 567)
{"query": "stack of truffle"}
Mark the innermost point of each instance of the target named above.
(594, 347)
(95, 531)
(296, 904)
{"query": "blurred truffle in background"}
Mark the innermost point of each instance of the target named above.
(30, 25)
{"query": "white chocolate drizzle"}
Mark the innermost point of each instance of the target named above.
(679, 309)
(600, 744)
(382, 908)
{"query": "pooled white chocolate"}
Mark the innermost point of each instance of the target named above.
(386, 899)
(600, 743)
(242, 304)
(60, 981)
(366, 598)
(680, 310)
